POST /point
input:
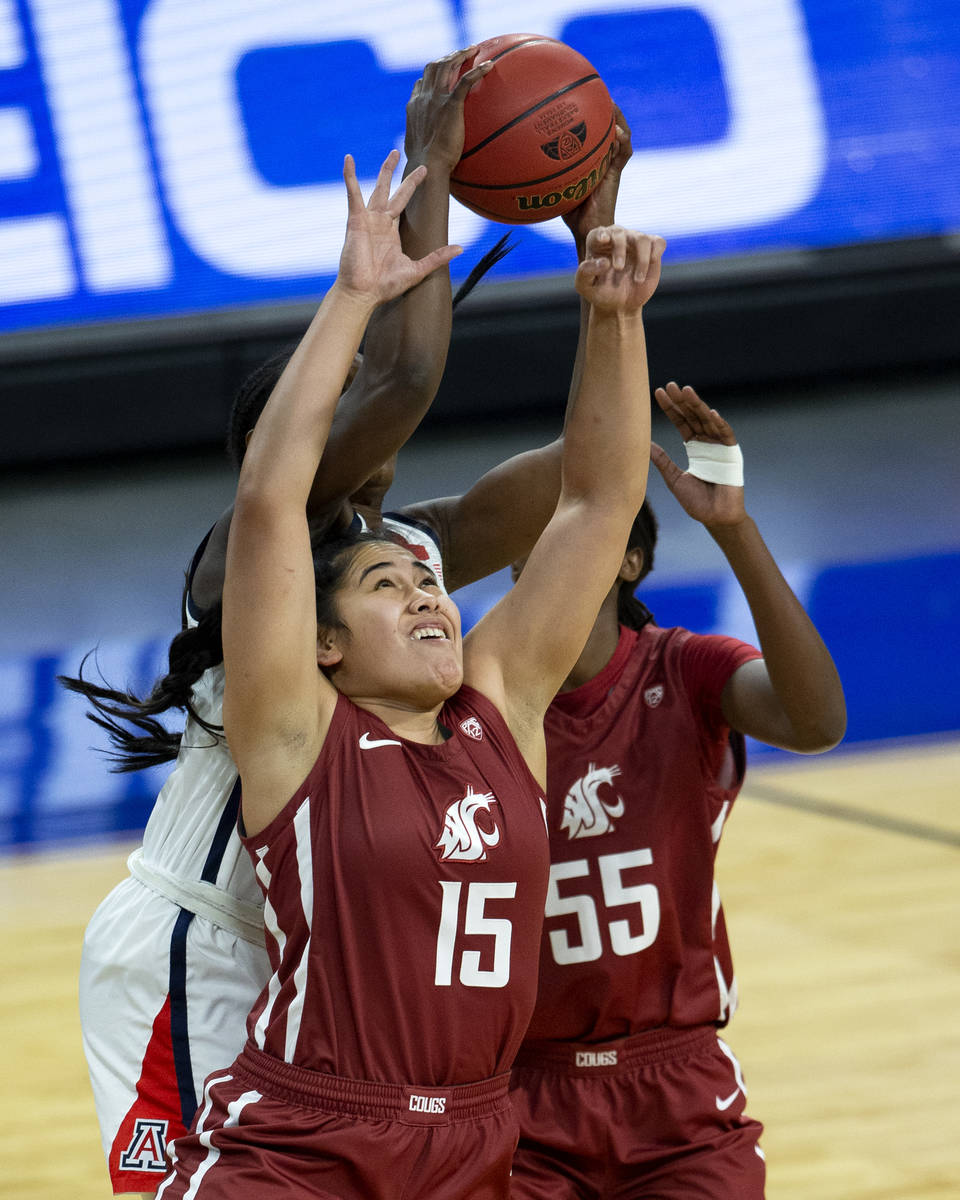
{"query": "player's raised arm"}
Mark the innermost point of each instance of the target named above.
(522, 650)
(498, 520)
(792, 697)
(275, 699)
(406, 344)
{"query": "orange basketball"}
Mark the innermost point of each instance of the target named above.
(539, 131)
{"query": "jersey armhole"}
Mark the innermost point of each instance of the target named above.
(416, 523)
(190, 614)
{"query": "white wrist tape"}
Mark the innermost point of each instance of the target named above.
(715, 463)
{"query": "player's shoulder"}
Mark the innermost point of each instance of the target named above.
(702, 663)
(679, 641)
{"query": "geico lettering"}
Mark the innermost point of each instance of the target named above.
(769, 77)
(428, 1104)
(224, 208)
(117, 226)
(596, 1058)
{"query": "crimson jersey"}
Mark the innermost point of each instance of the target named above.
(642, 770)
(404, 887)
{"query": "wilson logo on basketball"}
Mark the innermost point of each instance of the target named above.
(462, 839)
(575, 191)
(568, 144)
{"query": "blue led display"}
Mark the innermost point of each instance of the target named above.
(163, 157)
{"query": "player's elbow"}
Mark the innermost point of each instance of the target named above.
(822, 731)
(415, 376)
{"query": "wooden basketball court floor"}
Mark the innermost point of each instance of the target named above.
(840, 881)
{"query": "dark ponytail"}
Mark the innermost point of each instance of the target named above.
(191, 652)
(500, 249)
(631, 612)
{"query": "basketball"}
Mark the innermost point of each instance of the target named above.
(539, 131)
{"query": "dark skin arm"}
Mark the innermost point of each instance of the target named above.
(792, 697)
(405, 349)
(500, 518)
(406, 344)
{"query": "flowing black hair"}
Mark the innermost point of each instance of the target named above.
(191, 652)
(643, 536)
(197, 648)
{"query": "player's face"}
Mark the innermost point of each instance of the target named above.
(404, 639)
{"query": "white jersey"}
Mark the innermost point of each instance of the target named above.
(191, 851)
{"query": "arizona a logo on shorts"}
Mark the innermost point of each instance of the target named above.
(147, 1146)
(585, 814)
(462, 839)
(472, 728)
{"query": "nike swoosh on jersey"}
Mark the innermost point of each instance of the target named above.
(368, 743)
(725, 1104)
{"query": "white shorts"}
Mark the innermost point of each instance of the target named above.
(164, 997)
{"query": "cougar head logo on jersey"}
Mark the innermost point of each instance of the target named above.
(584, 813)
(462, 839)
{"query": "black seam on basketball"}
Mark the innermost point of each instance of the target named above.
(506, 187)
(516, 120)
(533, 41)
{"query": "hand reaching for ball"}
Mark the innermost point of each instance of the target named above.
(621, 269)
(373, 267)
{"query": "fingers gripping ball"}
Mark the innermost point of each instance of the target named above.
(539, 131)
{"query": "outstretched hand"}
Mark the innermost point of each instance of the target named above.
(710, 503)
(621, 269)
(373, 267)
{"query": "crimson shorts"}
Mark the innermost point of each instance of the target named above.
(266, 1130)
(656, 1115)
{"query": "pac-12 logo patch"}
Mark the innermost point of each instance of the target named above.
(568, 144)
(472, 728)
(147, 1148)
(585, 814)
(653, 695)
(462, 839)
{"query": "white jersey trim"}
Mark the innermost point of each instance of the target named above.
(204, 899)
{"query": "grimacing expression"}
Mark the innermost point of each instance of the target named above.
(402, 633)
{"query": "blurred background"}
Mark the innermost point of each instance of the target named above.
(171, 211)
